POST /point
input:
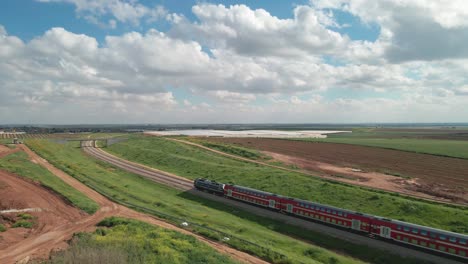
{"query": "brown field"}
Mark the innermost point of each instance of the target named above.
(405, 172)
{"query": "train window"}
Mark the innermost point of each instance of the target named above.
(442, 248)
(340, 213)
(451, 250)
(328, 211)
(433, 235)
(345, 214)
(442, 237)
(453, 239)
(406, 228)
(462, 241)
(334, 212)
(424, 233)
(322, 209)
(399, 227)
(462, 253)
(415, 231)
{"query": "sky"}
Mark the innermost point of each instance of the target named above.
(318, 61)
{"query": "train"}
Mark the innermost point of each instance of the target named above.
(441, 241)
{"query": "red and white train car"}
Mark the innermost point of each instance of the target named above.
(425, 237)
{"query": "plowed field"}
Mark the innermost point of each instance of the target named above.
(434, 175)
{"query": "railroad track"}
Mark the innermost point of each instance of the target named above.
(179, 183)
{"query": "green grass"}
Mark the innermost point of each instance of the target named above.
(192, 162)
(25, 216)
(23, 223)
(2, 228)
(119, 240)
(20, 164)
(447, 148)
(126, 187)
(234, 150)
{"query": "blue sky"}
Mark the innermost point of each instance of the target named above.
(229, 61)
(27, 19)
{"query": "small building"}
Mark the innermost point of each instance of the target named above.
(15, 141)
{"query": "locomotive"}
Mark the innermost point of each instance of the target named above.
(433, 239)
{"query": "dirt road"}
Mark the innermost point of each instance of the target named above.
(41, 241)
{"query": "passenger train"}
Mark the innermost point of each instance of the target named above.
(441, 241)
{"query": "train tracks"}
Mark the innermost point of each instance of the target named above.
(157, 176)
(187, 185)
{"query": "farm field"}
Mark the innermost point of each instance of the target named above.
(439, 176)
(121, 240)
(19, 164)
(440, 133)
(192, 162)
(445, 148)
(126, 187)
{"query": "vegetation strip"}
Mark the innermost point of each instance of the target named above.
(19, 164)
(121, 240)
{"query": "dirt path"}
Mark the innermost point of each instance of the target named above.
(372, 180)
(40, 242)
(4, 151)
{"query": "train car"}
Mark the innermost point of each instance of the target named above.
(261, 198)
(328, 214)
(425, 237)
(210, 186)
(406, 233)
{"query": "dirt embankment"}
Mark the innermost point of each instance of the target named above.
(58, 221)
(428, 176)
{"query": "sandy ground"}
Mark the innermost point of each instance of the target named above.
(59, 221)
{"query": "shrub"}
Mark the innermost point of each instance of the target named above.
(22, 223)
(2, 228)
(25, 216)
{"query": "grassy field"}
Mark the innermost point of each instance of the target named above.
(192, 162)
(20, 164)
(446, 148)
(119, 240)
(270, 234)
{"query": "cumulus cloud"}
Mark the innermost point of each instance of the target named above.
(413, 30)
(124, 11)
(244, 65)
(258, 33)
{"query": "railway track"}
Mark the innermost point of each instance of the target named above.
(187, 185)
(179, 183)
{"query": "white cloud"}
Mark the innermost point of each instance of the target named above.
(245, 65)
(125, 11)
(233, 97)
(413, 29)
(258, 33)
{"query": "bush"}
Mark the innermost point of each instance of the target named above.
(25, 216)
(22, 223)
(2, 228)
